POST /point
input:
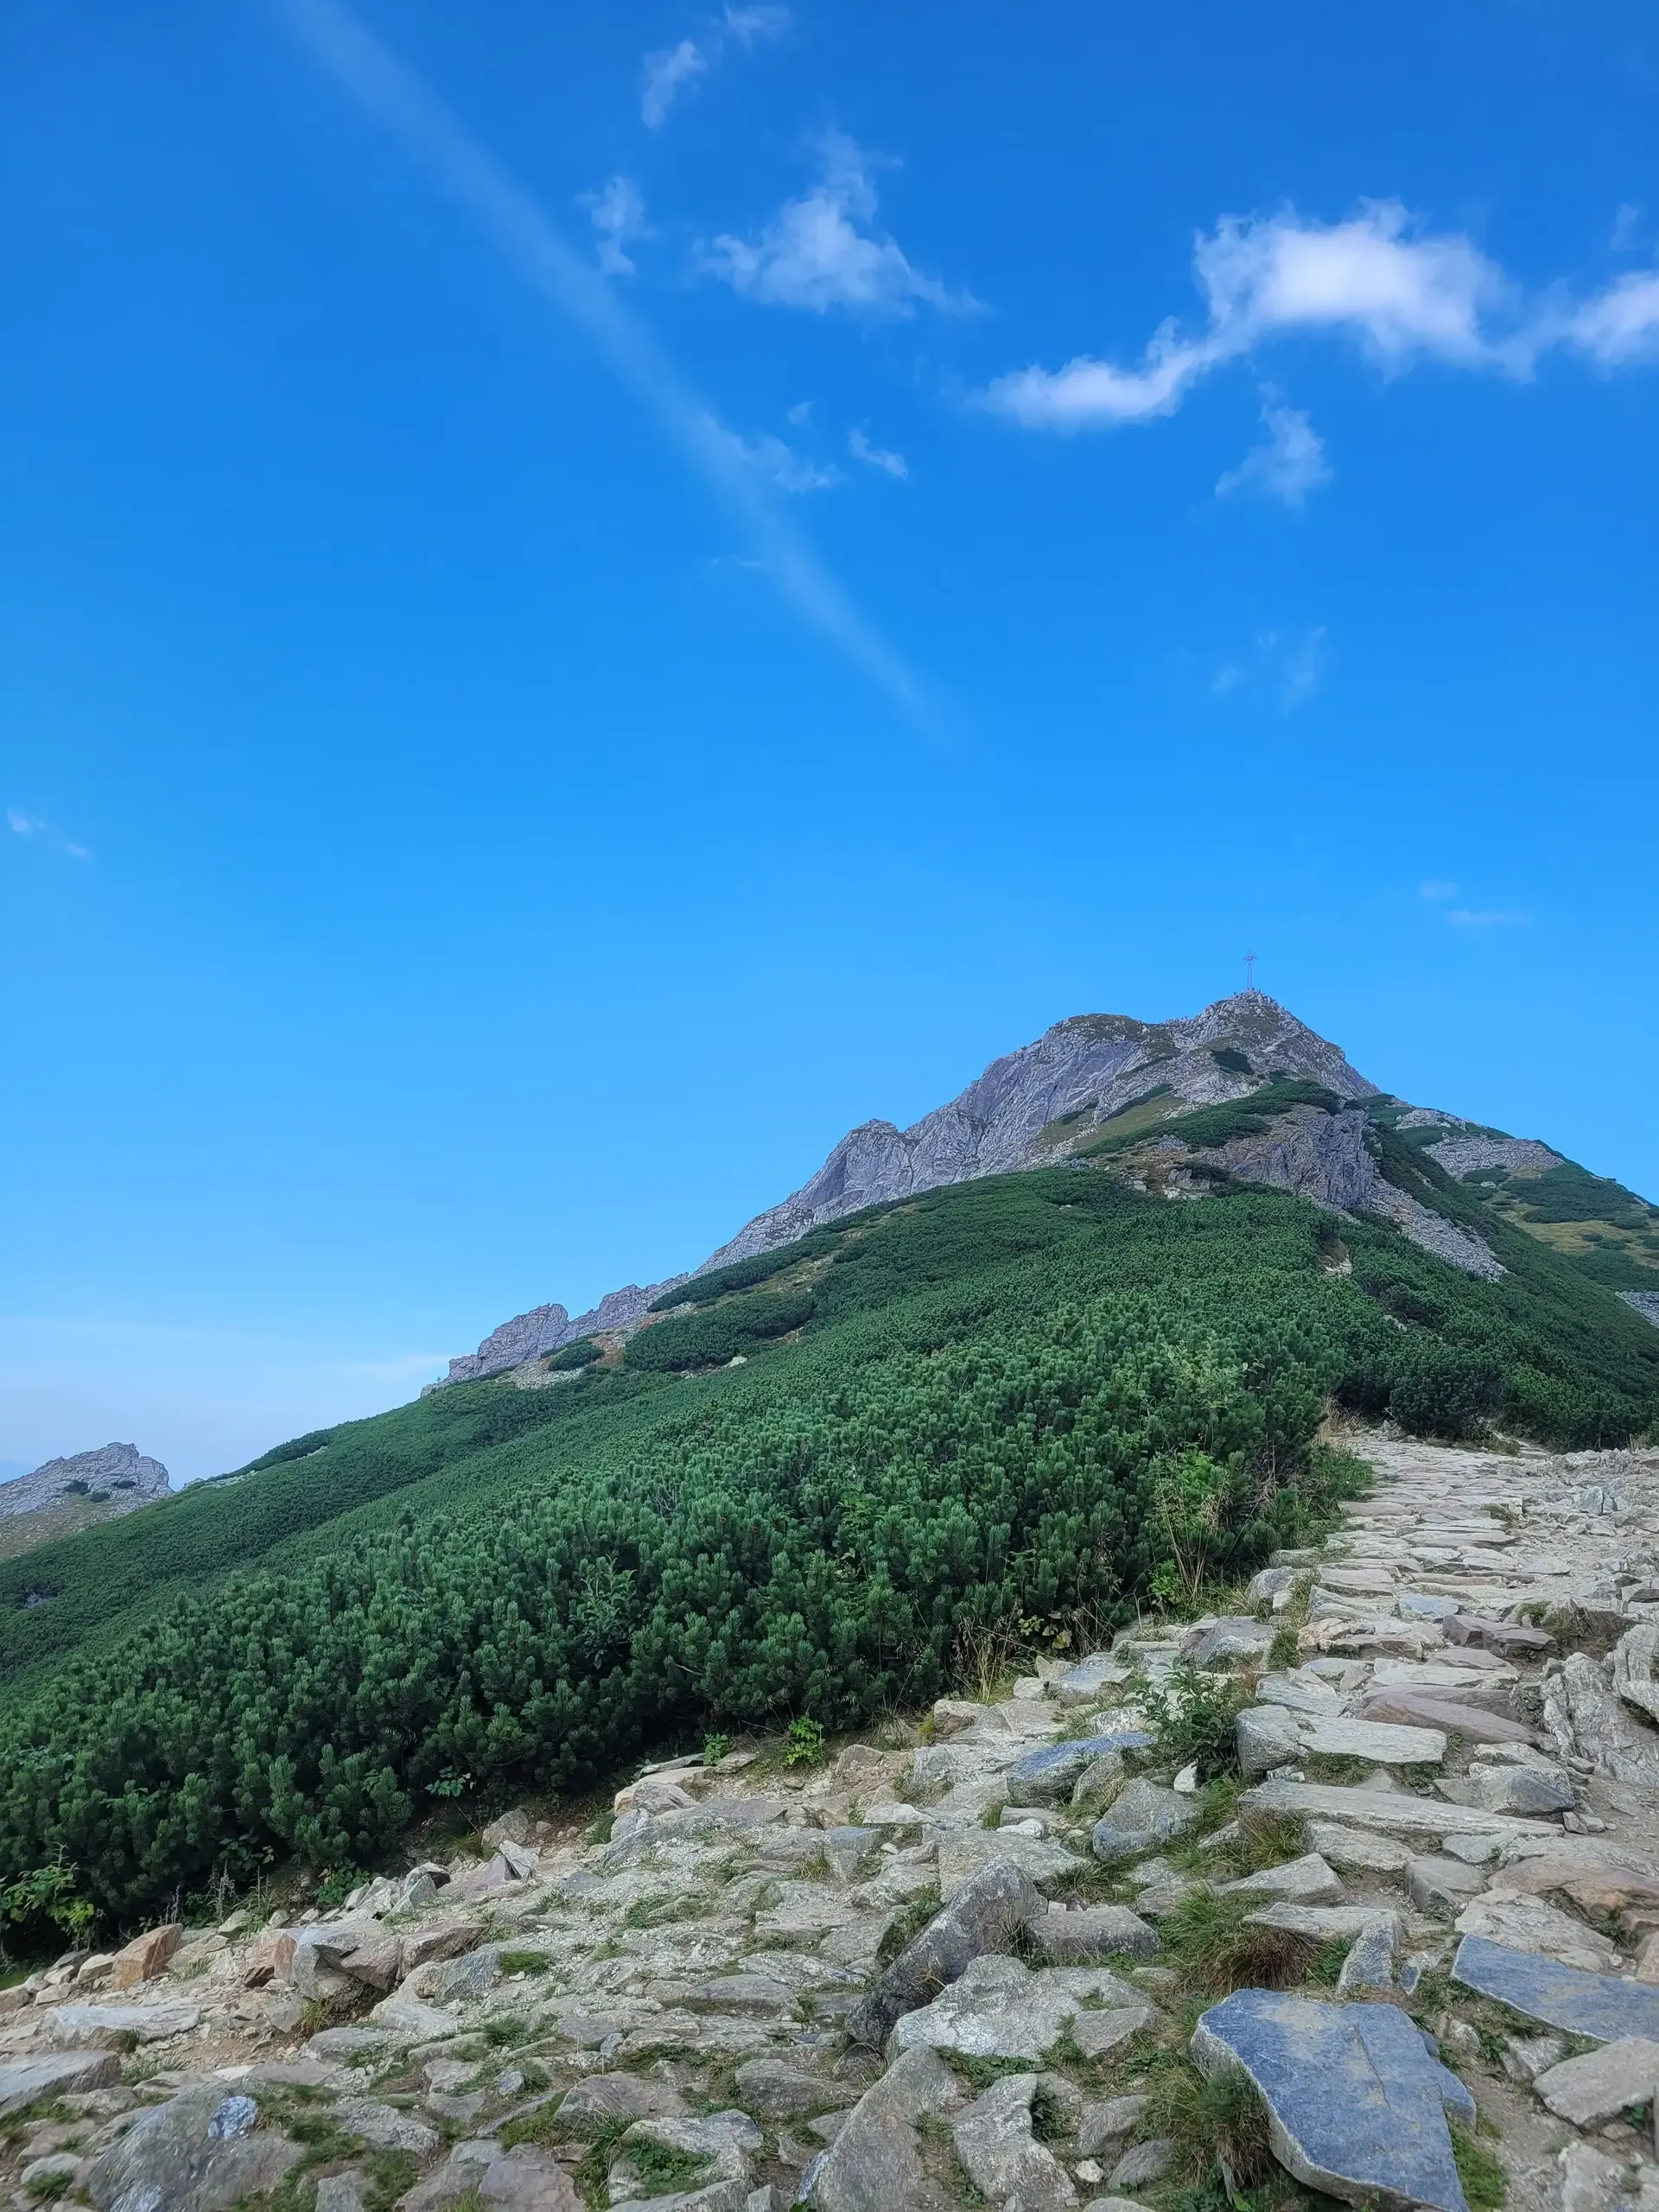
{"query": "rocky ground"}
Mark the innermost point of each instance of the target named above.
(1017, 1956)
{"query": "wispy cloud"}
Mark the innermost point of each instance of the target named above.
(617, 212)
(29, 825)
(1437, 887)
(1304, 670)
(822, 251)
(514, 224)
(1288, 465)
(779, 464)
(1507, 919)
(1406, 294)
(669, 72)
(667, 75)
(877, 456)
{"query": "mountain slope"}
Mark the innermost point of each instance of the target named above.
(816, 1470)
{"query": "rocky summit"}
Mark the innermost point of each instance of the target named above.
(1242, 1090)
(64, 1495)
(1013, 1950)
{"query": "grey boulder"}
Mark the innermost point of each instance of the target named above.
(875, 2164)
(1266, 1737)
(1002, 2158)
(201, 2151)
(1091, 1933)
(987, 1914)
(1600, 2085)
(1144, 1814)
(1356, 2105)
(1049, 1774)
(25, 2082)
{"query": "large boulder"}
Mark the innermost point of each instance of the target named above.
(1356, 2105)
(875, 2164)
(146, 1955)
(202, 2151)
(1266, 1737)
(25, 2082)
(987, 1914)
(116, 2027)
(1091, 1933)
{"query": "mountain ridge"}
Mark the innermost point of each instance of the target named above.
(1069, 1093)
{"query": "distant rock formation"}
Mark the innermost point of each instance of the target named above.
(533, 1335)
(117, 1475)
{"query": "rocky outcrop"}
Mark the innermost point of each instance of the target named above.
(533, 1335)
(116, 1476)
(1037, 1101)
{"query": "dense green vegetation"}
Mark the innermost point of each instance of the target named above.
(1023, 1404)
(1248, 1117)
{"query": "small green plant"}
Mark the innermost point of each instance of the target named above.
(47, 2189)
(49, 1893)
(1282, 1651)
(714, 1748)
(450, 1784)
(1210, 2122)
(1484, 2182)
(523, 1961)
(335, 1885)
(1191, 1713)
(803, 1743)
(905, 1925)
(598, 1828)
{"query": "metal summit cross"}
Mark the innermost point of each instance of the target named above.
(1249, 971)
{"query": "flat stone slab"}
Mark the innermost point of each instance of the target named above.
(1600, 2005)
(1501, 1636)
(1083, 1684)
(1306, 1880)
(1326, 1923)
(1356, 2105)
(1358, 1581)
(110, 2027)
(1603, 2082)
(1396, 1812)
(967, 1853)
(1000, 2009)
(1421, 1709)
(1092, 1933)
(25, 2082)
(1373, 1740)
(1352, 1851)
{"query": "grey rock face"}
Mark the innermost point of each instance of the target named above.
(1584, 1718)
(1356, 2106)
(874, 2163)
(24, 2081)
(1050, 1774)
(1599, 2085)
(199, 2153)
(533, 1335)
(121, 1468)
(1091, 1933)
(1144, 1814)
(1000, 2009)
(1646, 1303)
(1458, 1155)
(1002, 2158)
(1078, 1073)
(986, 1914)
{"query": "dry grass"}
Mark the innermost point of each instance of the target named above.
(1206, 1940)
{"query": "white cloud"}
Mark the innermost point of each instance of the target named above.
(618, 213)
(29, 825)
(1402, 294)
(1508, 918)
(1622, 327)
(746, 25)
(820, 252)
(777, 463)
(799, 413)
(1288, 465)
(1626, 234)
(876, 456)
(1304, 667)
(667, 74)
(1437, 887)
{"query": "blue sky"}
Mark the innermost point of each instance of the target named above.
(588, 599)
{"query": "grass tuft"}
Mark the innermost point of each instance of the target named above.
(1207, 1942)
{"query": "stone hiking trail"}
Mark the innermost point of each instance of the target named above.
(932, 1973)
